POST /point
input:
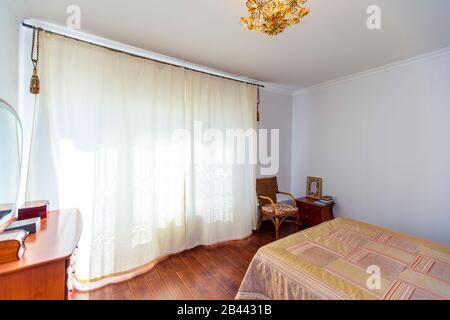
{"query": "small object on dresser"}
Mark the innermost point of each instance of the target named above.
(12, 245)
(33, 209)
(30, 225)
(6, 211)
(326, 200)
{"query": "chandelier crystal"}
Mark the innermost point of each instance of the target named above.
(273, 16)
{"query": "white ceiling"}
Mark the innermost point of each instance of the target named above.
(332, 42)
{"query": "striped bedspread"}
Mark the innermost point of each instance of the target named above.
(345, 259)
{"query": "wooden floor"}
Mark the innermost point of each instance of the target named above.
(202, 273)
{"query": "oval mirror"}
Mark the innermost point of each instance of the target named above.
(10, 160)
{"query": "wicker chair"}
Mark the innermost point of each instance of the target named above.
(267, 190)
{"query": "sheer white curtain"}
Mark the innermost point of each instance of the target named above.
(105, 142)
(221, 179)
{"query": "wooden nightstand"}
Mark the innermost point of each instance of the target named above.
(312, 214)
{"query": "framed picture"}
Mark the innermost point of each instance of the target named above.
(314, 188)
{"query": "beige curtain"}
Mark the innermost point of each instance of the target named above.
(107, 141)
(221, 179)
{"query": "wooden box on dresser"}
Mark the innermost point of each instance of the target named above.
(43, 271)
(313, 214)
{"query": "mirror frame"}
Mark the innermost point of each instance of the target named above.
(20, 131)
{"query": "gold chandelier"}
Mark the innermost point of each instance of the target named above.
(274, 16)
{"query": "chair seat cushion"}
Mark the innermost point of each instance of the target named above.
(281, 209)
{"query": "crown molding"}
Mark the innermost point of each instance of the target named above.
(392, 66)
(279, 88)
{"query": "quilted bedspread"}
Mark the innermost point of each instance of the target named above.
(346, 259)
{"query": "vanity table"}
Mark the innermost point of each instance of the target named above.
(43, 271)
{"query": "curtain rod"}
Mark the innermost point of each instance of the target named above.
(26, 25)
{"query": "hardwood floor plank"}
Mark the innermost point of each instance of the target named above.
(101, 294)
(231, 258)
(158, 289)
(177, 263)
(223, 278)
(119, 287)
(140, 289)
(233, 272)
(123, 295)
(241, 253)
(200, 282)
(176, 287)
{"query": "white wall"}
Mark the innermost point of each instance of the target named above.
(381, 141)
(276, 113)
(9, 52)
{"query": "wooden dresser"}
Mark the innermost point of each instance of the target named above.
(312, 214)
(42, 273)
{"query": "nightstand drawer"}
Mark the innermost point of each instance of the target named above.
(312, 219)
(309, 215)
(307, 208)
(312, 214)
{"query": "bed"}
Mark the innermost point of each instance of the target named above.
(344, 259)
